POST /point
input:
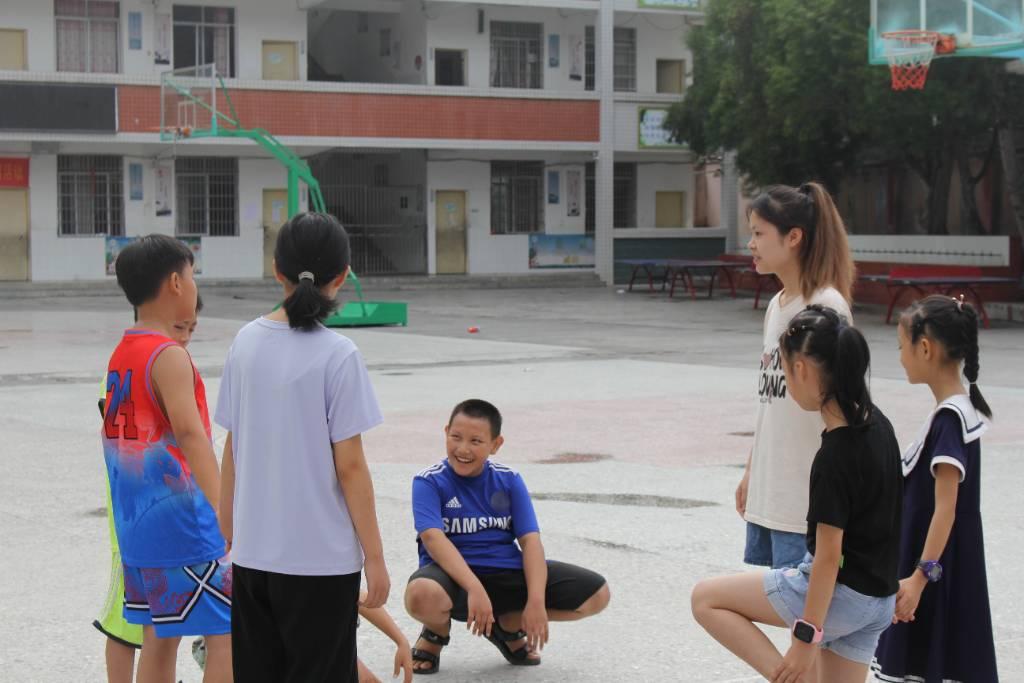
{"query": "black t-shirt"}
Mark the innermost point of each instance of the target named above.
(857, 486)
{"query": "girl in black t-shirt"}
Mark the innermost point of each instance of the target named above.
(843, 596)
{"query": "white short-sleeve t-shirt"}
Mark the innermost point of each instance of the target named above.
(786, 437)
(286, 396)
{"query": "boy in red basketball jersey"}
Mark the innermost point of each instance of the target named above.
(164, 480)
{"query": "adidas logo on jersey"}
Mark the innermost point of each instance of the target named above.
(453, 503)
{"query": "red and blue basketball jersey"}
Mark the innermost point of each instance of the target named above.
(161, 516)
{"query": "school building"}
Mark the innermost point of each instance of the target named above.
(485, 137)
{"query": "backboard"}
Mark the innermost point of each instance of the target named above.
(981, 28)
(189, 100)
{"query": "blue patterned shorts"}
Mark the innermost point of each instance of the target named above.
(180, 601)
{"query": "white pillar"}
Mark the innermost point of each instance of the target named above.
(730, 202)
(604, 186)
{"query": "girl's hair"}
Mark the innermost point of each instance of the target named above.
(312, 250)
(953, 324)
(824, 251)
(841, 353)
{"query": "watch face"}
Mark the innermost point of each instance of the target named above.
(934, 572)
(804, 632)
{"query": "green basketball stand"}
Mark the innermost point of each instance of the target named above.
(189, 109)
(364, 313)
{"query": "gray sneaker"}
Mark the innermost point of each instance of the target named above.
(199, 652)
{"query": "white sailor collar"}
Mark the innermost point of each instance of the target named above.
(972, 423)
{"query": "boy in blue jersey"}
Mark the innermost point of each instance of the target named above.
(481, 558)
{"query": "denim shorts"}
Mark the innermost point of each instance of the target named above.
(854, 621)
(772, 548)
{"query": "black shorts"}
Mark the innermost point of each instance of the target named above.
(293, 629)
(568, 587)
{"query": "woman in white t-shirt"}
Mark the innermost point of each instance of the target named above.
(799, 236)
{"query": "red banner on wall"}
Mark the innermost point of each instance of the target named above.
(13, 172)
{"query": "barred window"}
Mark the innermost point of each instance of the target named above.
(517, 197)
(87, 35)
(589, 59)
(625, 59)
(204, 35)
(206, 193)
(516, 55)
(90, 195)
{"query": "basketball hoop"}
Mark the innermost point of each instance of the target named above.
(910, 54)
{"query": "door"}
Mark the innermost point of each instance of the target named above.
(280, 62)
(12, 49)
(668, 210)
(451, 232)
(13, 234)
(275, 213)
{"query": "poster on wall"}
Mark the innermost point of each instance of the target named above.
(576, 49)
(163, 177)
(135, 181)
(562, 251)
(653, 132)
(115, 245)
(572, 193)
(553, 50)
(162, 38)
(135, 30)
(553, 189)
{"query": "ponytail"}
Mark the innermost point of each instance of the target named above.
(953, 325)
(841, 353)
(307, 306)
(850, 366)
(825, 259)
(312, 250)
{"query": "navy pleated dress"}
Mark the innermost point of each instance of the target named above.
(950, 640)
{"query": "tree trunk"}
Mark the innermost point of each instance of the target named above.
(967, 193)
(1012, 181)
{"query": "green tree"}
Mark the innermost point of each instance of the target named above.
(787, 85)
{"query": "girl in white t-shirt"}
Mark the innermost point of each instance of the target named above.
(797, 235)
(297, 503)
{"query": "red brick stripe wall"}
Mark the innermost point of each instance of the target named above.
(386, 116)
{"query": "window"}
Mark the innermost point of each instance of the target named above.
(671, 75)
(385, 42)
(204, 35)
(516, 56)
(517, 194)
(90, 195)
(624, 195)
(449, 67)
(206, 190)
(589, 59)
(625, 59)
(87, 35)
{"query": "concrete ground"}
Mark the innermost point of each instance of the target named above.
(657, 395)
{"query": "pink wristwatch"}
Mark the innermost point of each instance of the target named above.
(807, 632)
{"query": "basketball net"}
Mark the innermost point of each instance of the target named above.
(910, 55)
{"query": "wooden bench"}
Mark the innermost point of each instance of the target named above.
(947, 280)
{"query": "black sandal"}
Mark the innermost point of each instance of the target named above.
(501, 638)
(434, 660)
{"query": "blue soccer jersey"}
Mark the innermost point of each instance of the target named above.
(482, 515)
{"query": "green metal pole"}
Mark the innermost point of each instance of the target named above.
(293, 193)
